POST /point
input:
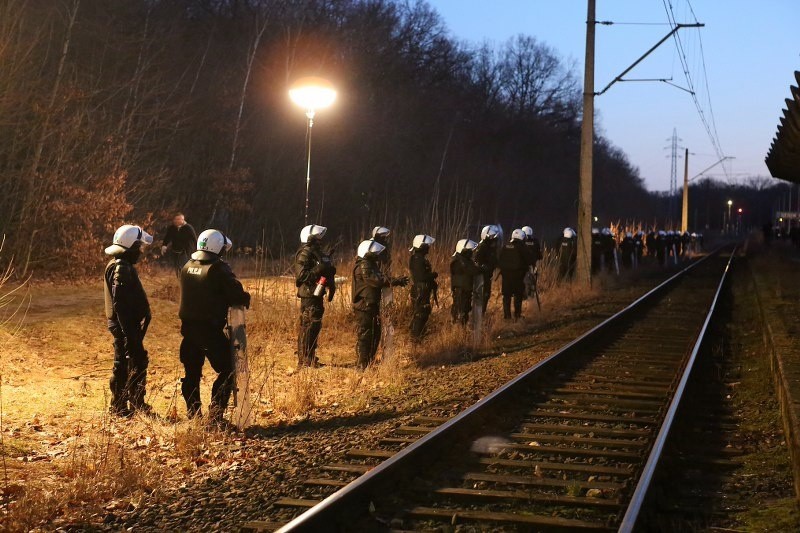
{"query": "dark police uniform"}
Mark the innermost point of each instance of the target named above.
(597, 251)
(567, 257)
(514, 263)
(311, 263)
(462, 279)
(424, 285)
(208, 288)
(368, 281)
(126, 309)
(486, 258)
(628, 249)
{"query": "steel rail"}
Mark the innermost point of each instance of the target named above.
(640, 493)
(325, 516)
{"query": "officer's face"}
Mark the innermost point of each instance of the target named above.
(179, 220)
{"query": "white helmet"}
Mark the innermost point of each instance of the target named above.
(694, 235)
(380, 231)
(569, 233)
(629, 235)
(528, 231)
(311, 232)
(370, 249)
(465, 244)
(606, 231)
(490, 232)
(662, 233)
(595, 231)
(518, 235)
(419, 240)
(125, 237)
(209, 242)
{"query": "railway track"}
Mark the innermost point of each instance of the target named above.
(571, 444)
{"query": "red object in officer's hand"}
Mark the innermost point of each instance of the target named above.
(320, 288)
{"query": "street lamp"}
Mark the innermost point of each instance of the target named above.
(311, 94)
(728, 228)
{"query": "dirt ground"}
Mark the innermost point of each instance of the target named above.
(67, 464)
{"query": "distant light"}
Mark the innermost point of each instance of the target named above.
(730, 203)
(740, 210)
(312, 93)
(780, 219)
(595, 219)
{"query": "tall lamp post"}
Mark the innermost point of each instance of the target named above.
(311, 93)
(728, 227)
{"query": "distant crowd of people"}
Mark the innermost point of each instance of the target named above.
(610, 253)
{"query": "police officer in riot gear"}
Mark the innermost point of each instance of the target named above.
(514, 262)
(368, 281)
(661, 247)
(314, 277)
(597, 250)
(486, 258)
(463, 270)
(567, 254)
(609, 249)
(382, 235)
(533, 245)
(208, 288)
(128, 314)
(424, 285)
(628, 250)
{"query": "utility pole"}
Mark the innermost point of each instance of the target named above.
(584, 271)
(685, 211)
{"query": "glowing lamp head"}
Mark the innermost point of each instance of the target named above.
(740, 210)
(730, 203)
(312, 93)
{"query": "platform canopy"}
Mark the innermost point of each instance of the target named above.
(783, 158)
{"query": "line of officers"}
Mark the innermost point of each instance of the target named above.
(372, 279)
(610, 253)
(209, 288)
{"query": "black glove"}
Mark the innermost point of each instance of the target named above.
(247, 303)
(318, 269)
(399, 282)
(331, 292)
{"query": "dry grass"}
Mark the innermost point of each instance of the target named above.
(64, 459)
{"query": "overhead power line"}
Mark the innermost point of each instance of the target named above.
(710, 126)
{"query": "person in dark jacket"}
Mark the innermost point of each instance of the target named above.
(208, 289)
(180, 240)
(128, 314)
(486, 258)
(514, 263)
(567, 254)
(368, 281)
(463, 271)
(314, 277)
(424, 285)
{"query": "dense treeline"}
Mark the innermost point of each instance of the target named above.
(128, 109)
(115, 109)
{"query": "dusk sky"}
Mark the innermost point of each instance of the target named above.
(751, 51)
